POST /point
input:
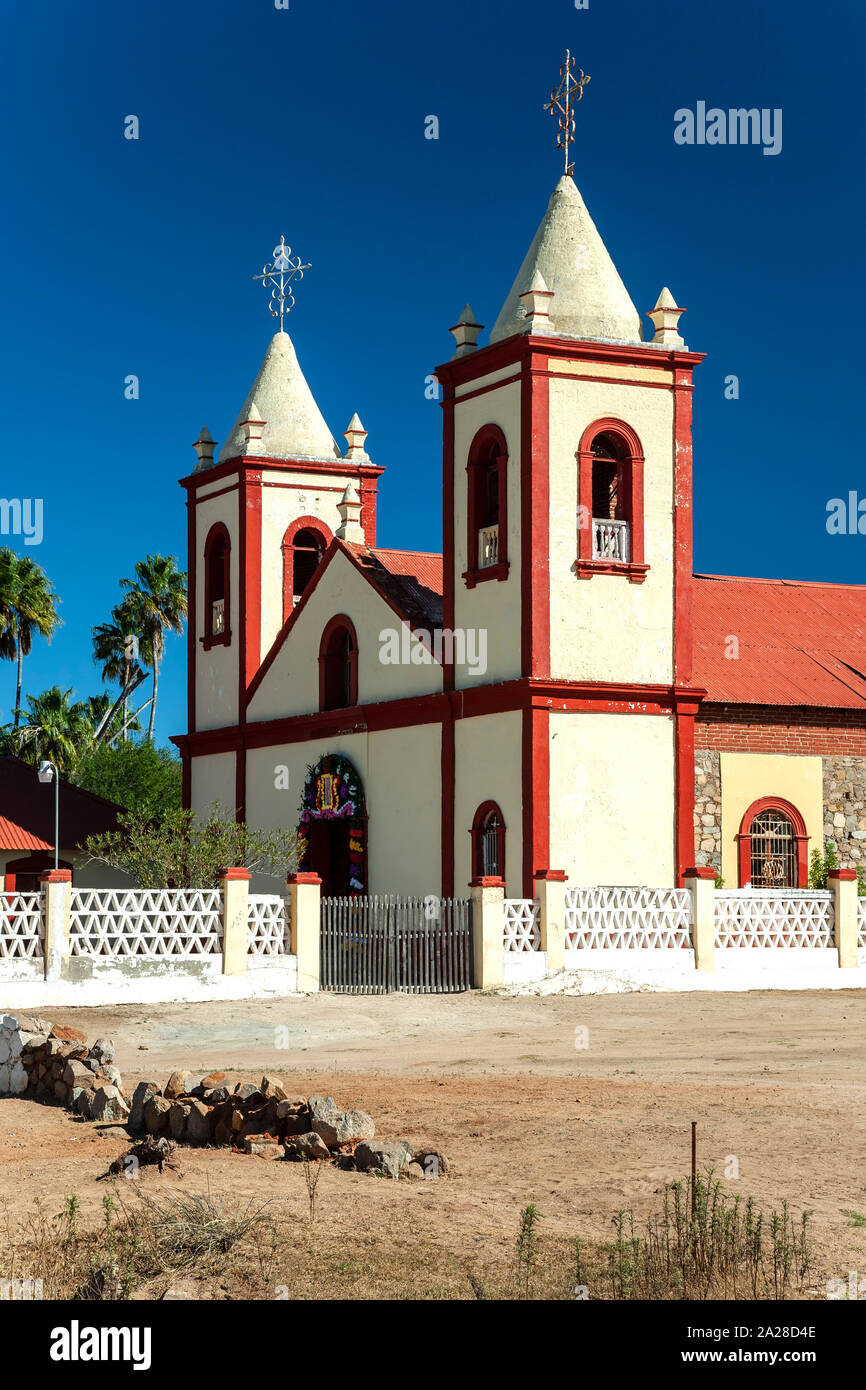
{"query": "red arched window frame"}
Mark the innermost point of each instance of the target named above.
(217, 587)
(303, 523)
(801, 838)
(481, 826)
(338, 664)
(486, 505)
(629, 494)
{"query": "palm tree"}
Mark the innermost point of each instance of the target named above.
(117, 646)
(98, 712)
(56, 729)
(157, 603)
(28, 605)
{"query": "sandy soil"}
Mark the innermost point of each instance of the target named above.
(524, 1114)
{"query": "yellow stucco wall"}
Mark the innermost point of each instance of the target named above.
(605, 628)
(492, 605)
(213, 782)
(612, 798)
(488, 768)
(400, 770)
(748, 777)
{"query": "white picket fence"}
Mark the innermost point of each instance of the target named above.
(770, 917)
(628, 919)
(150, 924)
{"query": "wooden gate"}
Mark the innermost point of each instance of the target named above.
(373, 945)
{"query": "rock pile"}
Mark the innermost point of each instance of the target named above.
(268, 1121)
(49, 1060)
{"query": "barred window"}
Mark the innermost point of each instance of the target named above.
(773, 851)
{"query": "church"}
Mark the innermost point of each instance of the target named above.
(557, 692)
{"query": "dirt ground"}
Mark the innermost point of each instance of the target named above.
(581, 1105)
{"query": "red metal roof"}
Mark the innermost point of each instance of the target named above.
(14, 836)
(797, 643)
(422, 565)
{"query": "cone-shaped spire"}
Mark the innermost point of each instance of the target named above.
(294, 426)
(590, 300)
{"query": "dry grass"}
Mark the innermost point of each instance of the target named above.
(222, 1249)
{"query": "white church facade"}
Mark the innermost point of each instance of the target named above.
(553, 692)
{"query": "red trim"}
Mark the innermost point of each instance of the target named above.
(252, 582)
(844, 875)
(506, 696)
(477, 462)
(486, 809)
(342, 467)
(491, 881)
(301, 523)
(473, 577)
(303, 878)
(700, 871)
(535, 518)
(234, 874)
(682, 513)
(55, 876)
(551, 875)
(585, 569)
(536, 792)
(340, 623)
(448, 559)
(801, 838)
(631, 471)
(684, 788)
(448, 779)
(217, 533)
(192, 621)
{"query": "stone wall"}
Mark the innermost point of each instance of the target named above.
(708, 810)
(845, 807)
(844, 791)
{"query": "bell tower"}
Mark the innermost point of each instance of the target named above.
(568, 539)
(261, 514)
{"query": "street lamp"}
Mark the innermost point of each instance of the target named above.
(48, 773)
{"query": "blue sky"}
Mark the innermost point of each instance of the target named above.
(136, 257)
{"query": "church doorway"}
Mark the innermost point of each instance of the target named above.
(333, 830)
(329, 856)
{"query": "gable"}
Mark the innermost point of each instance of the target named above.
(289, 681)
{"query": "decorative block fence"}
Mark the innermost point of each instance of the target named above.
(640, 931)
(83, 946)
(77, 946)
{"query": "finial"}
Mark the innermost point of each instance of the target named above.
(204, 447)
(349, 508)
(355, 436)
(466, 332)
(536, 301)
(279, 276)
(563, 99)
(665, 317)
(253, 428)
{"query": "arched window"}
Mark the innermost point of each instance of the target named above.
(486, 507)
(488, 842)
(773, 846)
(304, 545)
(610, 534)
(338, 665)
(217, 595)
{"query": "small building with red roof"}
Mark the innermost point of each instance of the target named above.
(27, 814)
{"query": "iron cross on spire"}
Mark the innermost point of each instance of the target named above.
(279, 276)
(563, 100)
